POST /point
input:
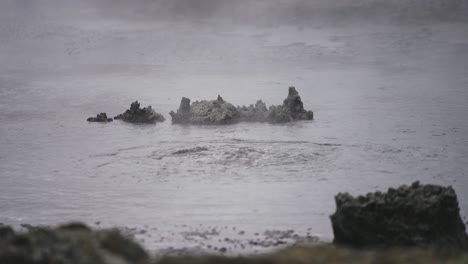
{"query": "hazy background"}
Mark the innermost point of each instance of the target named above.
(387, 81)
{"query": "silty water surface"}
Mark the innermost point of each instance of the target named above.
(389, 101)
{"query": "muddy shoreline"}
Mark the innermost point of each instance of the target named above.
(112, 246)
(417, 221)
(226, 240)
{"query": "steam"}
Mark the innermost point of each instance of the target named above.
(260, 12)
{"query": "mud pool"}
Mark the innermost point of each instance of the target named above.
(390, 105)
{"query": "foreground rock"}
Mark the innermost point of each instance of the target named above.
(77, 244)
(140, 115)
(215, 112)
(416, 215)
(102, 117)
(72, 243)
(220, 112)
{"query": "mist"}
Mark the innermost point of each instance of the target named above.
(386, 79)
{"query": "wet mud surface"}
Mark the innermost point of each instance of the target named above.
(389, 102)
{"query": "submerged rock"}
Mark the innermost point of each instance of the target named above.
(140, 115)
(416, 215)
(102, 117)
(189, 150)
(70, 244)
(218, 111)
(214, 112)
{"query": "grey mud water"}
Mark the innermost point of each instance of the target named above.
(389, 93)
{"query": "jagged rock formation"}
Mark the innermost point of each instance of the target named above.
(416, 215)
(219, 112)
(102, 117)
(140, 115)
(292, 109)
(253, 113)
(69, 244)
(215, 112)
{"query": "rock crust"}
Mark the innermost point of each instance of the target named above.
(214, 112)
(292, 109)
(416, 215)
(102, 117)
(73, 243)
(140, 115)
(220, 112)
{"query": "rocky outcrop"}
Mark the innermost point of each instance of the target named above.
(214, 112)
(253, 113)
(217, 112)
(102, 117)
(69, 244)
(291, 110)
(416, 215)
(140, 115)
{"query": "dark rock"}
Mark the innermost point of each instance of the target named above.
(293, 102)
(254, 113)
(70, 244)
(117, 244)
(183, 113)
(74, 226)
(184, 106)
(279, 114)
(140, 115)
(102, 117)
(214, 112)
(189, 150)
(219, 111)
(292, 109)
(416, 215)
(6, 231)
(223, 250)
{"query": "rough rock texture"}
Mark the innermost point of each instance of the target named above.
(183, 113)
(73, 243)
(102, 117)
(416, 215)
(292, 109)
(215, 112)
(140, 115)
(218, 111)
(253, 113)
